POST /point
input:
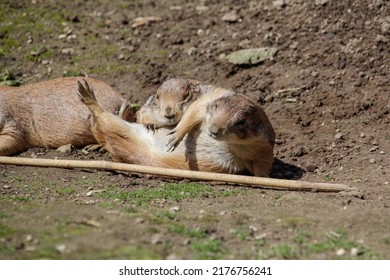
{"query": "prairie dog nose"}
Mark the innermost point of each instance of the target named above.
(214, 131)
(169, 113)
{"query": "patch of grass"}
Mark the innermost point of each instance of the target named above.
(328, 178)
(295, 221)
(73, 73)
(183, 230)
(163, 217)
(6, 231)
(212, 249)
(66, 191)
(172, 191)
(340, 241)
(128, 253)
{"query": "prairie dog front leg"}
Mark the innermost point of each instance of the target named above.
(195, 115)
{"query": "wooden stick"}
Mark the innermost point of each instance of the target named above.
(260, 182)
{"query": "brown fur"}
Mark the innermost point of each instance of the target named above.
(49, 114)
(216, 144)
(235, 119)
(166, 107)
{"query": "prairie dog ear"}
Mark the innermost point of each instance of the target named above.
(193, 90)
(151, 100)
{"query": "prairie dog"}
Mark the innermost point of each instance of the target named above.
(166, 107)
(223, 144)
(49, 114)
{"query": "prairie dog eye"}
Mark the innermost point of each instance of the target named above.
(241, 122)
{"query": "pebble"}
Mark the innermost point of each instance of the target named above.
(67, 51)
(278, 4)
(321, 2)
(62, 36)
(339, 136)
(61, 248)
(260, 236)
(362, 135)
(372, 160)
(6, 187)
(156, 239)
(139, 220)
(174, 209)
(340, 252)
(373, 149)
(66, 149)
(121, 57)
(230, 17)
(382, 152)
(354, 252)
(201, 8)
(191, 51)
(90, 193)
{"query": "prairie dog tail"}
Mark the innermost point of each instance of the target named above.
(87, 96)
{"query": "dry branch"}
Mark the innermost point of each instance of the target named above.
(260, 182)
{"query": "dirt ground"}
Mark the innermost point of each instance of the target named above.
(326, 92)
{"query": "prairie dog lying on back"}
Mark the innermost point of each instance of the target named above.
(49, 114)
(235, 139)
(166, 107)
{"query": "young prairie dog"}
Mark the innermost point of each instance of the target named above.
(236, 137)
(166, 107)
(49, 114)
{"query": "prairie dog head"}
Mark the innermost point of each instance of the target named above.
(236, 118)
(173, 98)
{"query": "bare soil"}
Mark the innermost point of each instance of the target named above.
(327, 93)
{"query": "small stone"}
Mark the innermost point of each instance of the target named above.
(382, 152)
(28, 238)
(29, 41)
(354, 251)
(62, 36)
(372, 160)
(230, 17)
(139, 220)
(340, 252)
(260, 236)
(222, 213)
(373, 149)
(278, 4)
(45, 62)
(339, 136)
(174, 209)
(66, 149)
(7, 187)
(156, 239)
(90, 193)
(67, 51)
(385, 27)
(61, 248)
(191, 51)
(321, 2)
(381, 39)
(332, 82)
(362, 135)
(121, 57)
(252, 229)
(201, 8)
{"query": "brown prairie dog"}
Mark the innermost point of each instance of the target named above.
(222, 144)
(49, 114)
(166, 107)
